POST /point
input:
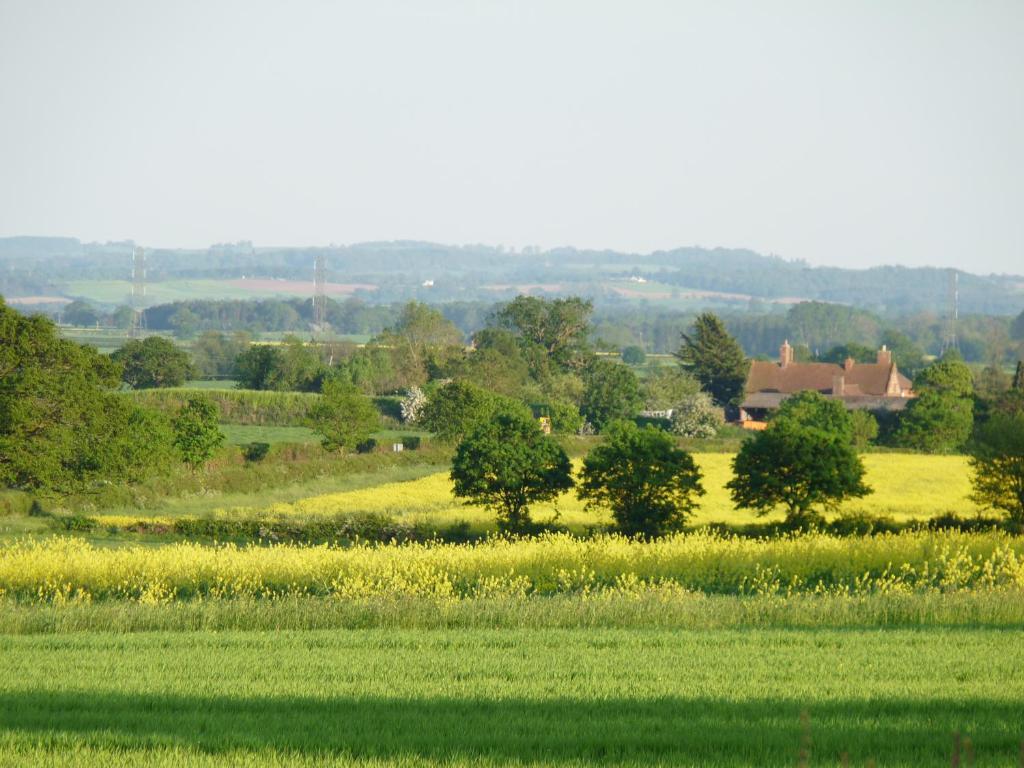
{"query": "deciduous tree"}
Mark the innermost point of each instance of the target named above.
(797, 467)
(506, 464)
(197, 434)
(153, 362)
(649, 484)
(343, 416)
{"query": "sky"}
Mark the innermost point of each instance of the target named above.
(842, 133)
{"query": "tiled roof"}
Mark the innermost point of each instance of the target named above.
(772, 400)
(861, 379)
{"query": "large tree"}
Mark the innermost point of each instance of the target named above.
(940, 418)
(62, 427)
(814, 410)
(715, 358)
(610, 392)
(506, 464)
(558, 326)
(800, 468)
(153, 362)
(997, 461)
(649, 484)
(456, 408)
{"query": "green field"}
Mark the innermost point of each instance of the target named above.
(501, 697)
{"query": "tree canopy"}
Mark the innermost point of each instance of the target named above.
(343, 416)
(610, 392)
(153, 362)
(797, 467)
(997, 461)
(62, 427)
(506, 464)
(715, 359)
(649, 484)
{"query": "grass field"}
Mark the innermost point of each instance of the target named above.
(906, 487)
(507, 697)
(240, 434)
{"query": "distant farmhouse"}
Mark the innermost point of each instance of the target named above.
(877, 386)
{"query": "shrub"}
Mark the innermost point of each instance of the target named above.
(369, 445)
(236, 406)
(864, 428)
(412, 405)
(411, 442)
(197, 432)
(697, 416)
(634, 355)
(254, 452)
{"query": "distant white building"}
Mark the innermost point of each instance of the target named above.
(428, 283)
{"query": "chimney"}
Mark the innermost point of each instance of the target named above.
(848, 364)
(884, 356)
(838, 385)
(785, 354)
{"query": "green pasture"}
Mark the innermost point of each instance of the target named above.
(513, 697)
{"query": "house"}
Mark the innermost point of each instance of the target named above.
(877, 386)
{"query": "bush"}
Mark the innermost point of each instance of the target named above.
(697, 416)
(369, 445)
(864, 428)
(634, 355)
(411, 442)
(610, 392)
(236, 406)
(254, 452)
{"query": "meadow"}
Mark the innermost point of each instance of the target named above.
(512, 697)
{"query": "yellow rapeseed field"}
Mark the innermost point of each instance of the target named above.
(906, 486)
(62, 569)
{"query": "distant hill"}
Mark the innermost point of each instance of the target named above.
(399, 270)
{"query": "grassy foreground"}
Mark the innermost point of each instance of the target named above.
(499, 697)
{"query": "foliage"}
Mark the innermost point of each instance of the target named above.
(62, 428)
(343, 416)
(236, 406)
(197, 433)
(1018, 375)
(997, 461)
(456, 408)
(934, 422)
(908, 355)
(715, 359)
(610, 392)
(214, 353)
(412, 405)
(813, 410)
(80, 313)
(255, 451)
(291, 366)
(665, 387)
(153, 362)
(947, 376)
(557, 326)
(864, 428)
(940, 418)
(634, 355)
(506, 464)
(697, 416)
(798, 467)
(841, 352)
(649, 484)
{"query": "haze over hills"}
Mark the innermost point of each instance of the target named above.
(398, 270)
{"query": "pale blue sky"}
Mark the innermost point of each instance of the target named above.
(843, 133)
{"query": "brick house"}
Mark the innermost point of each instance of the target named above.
(877, 386)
